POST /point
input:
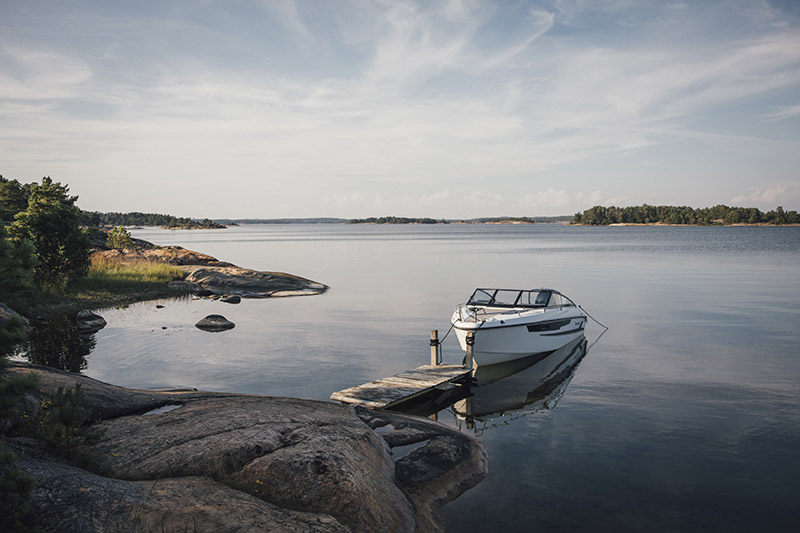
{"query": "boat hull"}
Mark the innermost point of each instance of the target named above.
(506, 340)
(531, 383)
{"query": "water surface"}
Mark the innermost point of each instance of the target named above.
(683, 417)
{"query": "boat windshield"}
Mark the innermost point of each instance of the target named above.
(519, 298)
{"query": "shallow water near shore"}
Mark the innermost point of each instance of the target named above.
(682, 417)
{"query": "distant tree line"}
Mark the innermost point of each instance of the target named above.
(396, 220)
(497, 220)
(97, 219)
(680, 215)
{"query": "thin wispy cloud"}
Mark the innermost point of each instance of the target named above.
(784, 113)
(774, 196)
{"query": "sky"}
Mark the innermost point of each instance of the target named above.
(443, 109)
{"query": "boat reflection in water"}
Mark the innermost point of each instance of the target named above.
(507, 391)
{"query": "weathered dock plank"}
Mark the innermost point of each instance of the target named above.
(394, 390)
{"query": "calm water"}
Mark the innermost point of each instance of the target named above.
(683, 417)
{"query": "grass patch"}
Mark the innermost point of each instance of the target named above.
(110, 282)
(111, 274)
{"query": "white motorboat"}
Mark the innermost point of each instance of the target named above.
(508, 324)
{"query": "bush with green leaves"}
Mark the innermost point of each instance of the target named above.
(119, 238)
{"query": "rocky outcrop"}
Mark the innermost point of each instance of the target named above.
(251, 283)
(70, 499)
(226, 462)
(173, 255)
(213, 277)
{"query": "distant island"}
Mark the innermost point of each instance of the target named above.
(719, 215)
(396, 220)
(98, 219)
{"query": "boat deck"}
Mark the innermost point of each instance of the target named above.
(390, 392)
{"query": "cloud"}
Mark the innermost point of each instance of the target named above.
(768, 198)
(377, 201)
(545, 198)
(784, 113)
(591, 199)
(484, 200)
(421, 43)
(435, 199)
(541, 22)
(28, 73)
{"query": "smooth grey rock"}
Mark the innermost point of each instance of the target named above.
(248, 283)
(283, 455)
(69, 499)
(89, 321)
(215, 323)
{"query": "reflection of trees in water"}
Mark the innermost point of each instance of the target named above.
(59, 344)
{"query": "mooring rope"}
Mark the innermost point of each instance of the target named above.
(448, 333)
(605, 328)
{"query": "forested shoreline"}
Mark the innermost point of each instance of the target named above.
(97, 219)
(719, 215)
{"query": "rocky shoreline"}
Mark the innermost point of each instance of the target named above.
(204, 461)
(215, 277)
(228, 462)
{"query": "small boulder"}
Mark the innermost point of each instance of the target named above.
(233, 299)
(215, 323)
(89, 321)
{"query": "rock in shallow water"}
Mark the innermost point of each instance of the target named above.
(215, 323)
(89, 321)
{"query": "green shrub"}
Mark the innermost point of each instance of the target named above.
(119, 238)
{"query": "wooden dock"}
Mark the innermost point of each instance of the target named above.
(390, 392)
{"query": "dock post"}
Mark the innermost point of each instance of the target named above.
(470, 343)
(435, 354)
